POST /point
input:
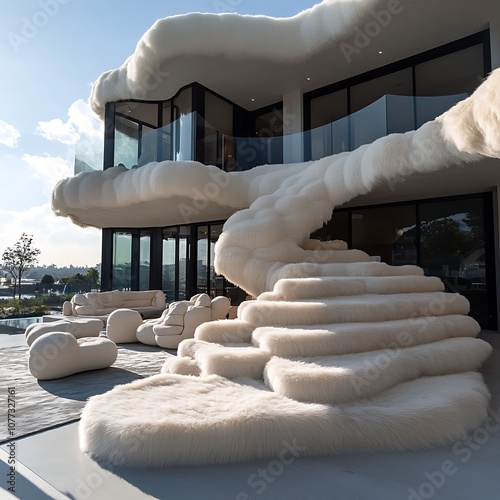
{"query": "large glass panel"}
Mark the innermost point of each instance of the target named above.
(218, 124)
(386, 232)
(368, 124)
(456, 73)
(183, 259)
(182, 129)
(397, 83)
(401, 114)
(328, 108)
(144, 259)
(136, 140)
(166, 133)
(126, 142)
(337, 228)
(215, 279)
(122, 261)
(428, 108)
(169, 263)
(148, 145)
(202, 264)
(452, 247)
(327, 138)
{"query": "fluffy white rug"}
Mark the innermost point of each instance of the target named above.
(171, 420)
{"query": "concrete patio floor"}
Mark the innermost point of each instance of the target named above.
(51, 466)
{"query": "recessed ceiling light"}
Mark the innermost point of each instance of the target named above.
(253, 100)
(308, 78)
(380, 52)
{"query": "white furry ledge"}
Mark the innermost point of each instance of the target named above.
(172, 420)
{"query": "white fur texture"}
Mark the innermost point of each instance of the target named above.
(332, 340)
(262, 38)
(342, 379)
(178, 420)
(364, 308)
(311, 288)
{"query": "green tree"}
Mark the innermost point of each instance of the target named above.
(19, 258)
(47, 279)
(92, 276)
(77, 279)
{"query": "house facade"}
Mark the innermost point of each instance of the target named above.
(234, 98)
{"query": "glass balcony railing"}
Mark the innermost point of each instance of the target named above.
(191, 136)
(390, 114)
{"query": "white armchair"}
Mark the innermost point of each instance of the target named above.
(181, 319)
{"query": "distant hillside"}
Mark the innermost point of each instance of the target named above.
(38, 272)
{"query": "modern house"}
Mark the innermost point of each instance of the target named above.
(250, 91)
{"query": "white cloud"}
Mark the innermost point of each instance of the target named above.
(9, 135)
(82, 123)
(83, 130)
(51, 169)
(61, 242)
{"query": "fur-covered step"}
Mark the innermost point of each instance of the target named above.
(179, 420)
(225, 331)
(362, 309)
(315, 268)
(336, 339)
(312, 288)
(342, 379)
(324, 256)
(230, 361)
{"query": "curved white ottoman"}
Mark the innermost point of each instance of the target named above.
(59, 354)
(78, 327)
(122, 326)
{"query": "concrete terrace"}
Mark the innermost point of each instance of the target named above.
(51, 466)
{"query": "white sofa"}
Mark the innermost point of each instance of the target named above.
(59, 354)
(149, 303)
(181, 319)
(78, 327)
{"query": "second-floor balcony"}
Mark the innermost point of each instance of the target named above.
(190, 137)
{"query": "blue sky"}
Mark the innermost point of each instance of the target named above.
(50, 53)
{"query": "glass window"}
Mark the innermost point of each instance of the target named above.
(455, 73)
(169, 263)
(136, 135)
(182, 128)
(367, 124)
(126, 142)
(166, 132)
(184, 233)
(122, 261)
(397, 83)
(202, 264)
(218, 127)
(215, 279)
(387, 232)
(328, 108)
(452, 247)
(144, 260)
(337, 228)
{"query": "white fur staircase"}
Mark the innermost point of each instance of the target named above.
(369, 363)
(339, 353)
